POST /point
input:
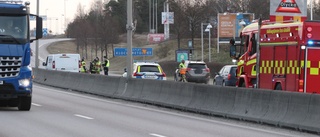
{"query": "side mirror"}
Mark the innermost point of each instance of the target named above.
(125, 69)
(44, 64)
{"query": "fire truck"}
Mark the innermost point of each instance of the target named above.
(287, 56)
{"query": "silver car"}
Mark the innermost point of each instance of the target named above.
(197, 71)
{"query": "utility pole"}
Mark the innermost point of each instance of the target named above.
(37, 42)
(129, 39)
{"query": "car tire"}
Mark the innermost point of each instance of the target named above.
(223, 84)
(24, 103)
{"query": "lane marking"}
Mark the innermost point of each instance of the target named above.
(82, 116)
(172, 113)
(38, 105)
(156, 135)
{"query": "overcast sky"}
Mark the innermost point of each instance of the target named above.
(54, 9)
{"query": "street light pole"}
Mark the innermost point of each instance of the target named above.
(209, 46)
(208, 30)
(201, 41)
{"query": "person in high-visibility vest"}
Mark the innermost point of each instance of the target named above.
(106, 65)
(83, 68)
(98, 66)
(182, 70)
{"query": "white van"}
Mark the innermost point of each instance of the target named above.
(63, 62)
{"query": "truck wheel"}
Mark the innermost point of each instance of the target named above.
(278, 87)
(243, 85)
(24, 103)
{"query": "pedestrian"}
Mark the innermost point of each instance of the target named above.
(83, 68)
(92, 66)
(182, 70)
(97, 66)
(106, 65)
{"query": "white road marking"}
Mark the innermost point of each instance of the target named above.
(82, 116)
(38, 105)
(156, 135)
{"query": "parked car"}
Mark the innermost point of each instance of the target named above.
(147, 70)
(197, 71)
(226, 76)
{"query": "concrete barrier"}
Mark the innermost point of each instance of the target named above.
(259, 105)
(286, 109)
(241, 103)
(297, 110)
(151, 90)
(200, 95)
(85, 82)
(105, 85)
(226, 101)
(211, 102)
(168, 93)
(279, 102)
(312, 121)
(121, 88)
(133, 89)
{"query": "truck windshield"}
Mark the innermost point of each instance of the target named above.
(13, 29)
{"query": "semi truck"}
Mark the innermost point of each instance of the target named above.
(287, 56)
(15, 54)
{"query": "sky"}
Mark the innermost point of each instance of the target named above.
(55, 10)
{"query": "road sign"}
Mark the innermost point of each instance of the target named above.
(44, 32)
(182, 55)
(135, 52)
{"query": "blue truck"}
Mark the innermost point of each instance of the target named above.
(15, 53)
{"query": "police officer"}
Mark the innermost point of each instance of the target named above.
(97, 65)
(92, 66)
(106, 65)
(83, 68)
(181, 66)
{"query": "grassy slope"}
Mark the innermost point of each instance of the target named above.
(163, 53)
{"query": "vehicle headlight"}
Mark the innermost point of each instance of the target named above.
(24, 82)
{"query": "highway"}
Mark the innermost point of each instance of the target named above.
(60, 113)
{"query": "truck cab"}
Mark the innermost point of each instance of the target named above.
(15, 54)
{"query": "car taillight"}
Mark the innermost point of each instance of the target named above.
(229, 76)
(164, 74)
(136, 74)
(188, 69)
(53, 64)
(207, 69)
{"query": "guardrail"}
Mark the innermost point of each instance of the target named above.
(285, 109)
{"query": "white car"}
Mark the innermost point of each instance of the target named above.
(147, 70)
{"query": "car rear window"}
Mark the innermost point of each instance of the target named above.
(149, 68)
(197, 66)
(233, 70)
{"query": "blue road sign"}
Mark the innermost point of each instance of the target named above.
(135, 52)
(182, 55)
(44, 32)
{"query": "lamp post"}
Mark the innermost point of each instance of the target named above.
(208, 30)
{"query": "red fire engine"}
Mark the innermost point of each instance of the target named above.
(289, 56)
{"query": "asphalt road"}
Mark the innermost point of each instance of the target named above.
(60, 113)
